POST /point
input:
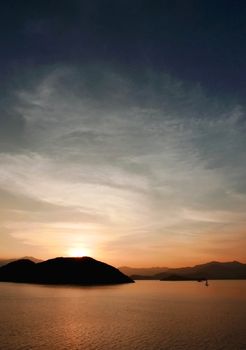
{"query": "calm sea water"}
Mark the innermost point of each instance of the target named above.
(146, 315)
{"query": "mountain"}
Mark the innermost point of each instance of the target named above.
(31, 258)
(146, 271)
(84, 271)
(7, 261)
(211, 270)
(181, 278)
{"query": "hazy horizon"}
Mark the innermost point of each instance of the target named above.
(125, 264)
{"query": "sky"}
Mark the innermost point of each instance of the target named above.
(122, 130)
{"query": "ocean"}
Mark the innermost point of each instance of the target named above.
(146, 315)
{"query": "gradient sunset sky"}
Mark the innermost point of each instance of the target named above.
(123, 130)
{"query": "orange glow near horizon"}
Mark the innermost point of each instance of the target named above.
(78, 252)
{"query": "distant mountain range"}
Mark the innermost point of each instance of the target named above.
(145, 271)
(7, 261)
(211, 270)
(83, 271)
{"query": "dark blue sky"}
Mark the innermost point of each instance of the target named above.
(197, 41)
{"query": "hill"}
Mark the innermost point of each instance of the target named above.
(7, 261)
(84, 271)
(211, 270)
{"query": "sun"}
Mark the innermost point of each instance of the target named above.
(78, 252)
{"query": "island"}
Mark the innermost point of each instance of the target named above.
(82, 271)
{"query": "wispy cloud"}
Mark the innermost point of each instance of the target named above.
(150, 159)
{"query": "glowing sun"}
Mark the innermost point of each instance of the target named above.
(78, 252)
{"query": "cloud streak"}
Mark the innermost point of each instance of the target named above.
(128, 159)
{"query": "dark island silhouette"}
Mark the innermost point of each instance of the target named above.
(82, 271)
